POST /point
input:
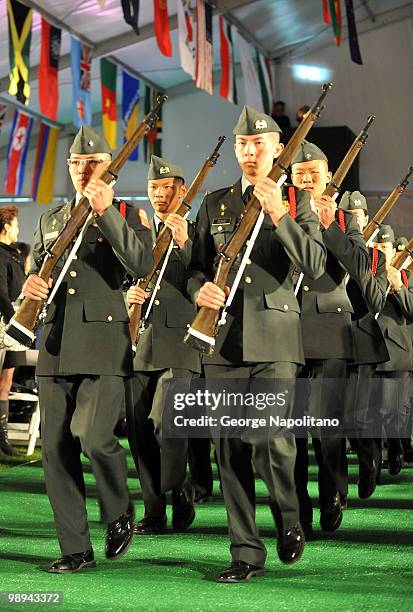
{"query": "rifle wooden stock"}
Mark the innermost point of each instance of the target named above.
(386, 207)
(204, 327)
(341, 172)
(400, 257)
(165, 236)
(29, 310)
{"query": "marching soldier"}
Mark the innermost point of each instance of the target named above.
(262, 338)
(85, 355)
(161, 356)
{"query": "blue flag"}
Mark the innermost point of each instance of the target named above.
(81, 58)
(130, 108)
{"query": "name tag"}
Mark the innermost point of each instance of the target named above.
(51, 235)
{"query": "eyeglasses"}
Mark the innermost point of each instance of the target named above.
(76, 163)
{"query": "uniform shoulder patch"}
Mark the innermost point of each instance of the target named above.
(143, 218)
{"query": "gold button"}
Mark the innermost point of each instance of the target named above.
(156, 302)
(100, 239)
(73, 274)
(74, 256)
(220, 228)
(188, 325)
(71, 291)
(248, 279)
(339, 309)
(248, 262)
(110, 317)
(306, 288)
(285, 307)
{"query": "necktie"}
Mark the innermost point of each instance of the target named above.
(161, 225)
(247, 195)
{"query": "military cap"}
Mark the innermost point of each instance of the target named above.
(88, 141)
(252, 122)
(385, 234)
(400, 243)
(308, 152)
(353, 200)
(160, 168)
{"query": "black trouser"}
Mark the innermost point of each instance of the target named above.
(273, 458)
(160, 462)
(78, 415)
(199, 460)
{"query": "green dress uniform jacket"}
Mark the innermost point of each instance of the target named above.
(86, 325)
(263, 322)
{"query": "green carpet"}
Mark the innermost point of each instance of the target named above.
(366, 565)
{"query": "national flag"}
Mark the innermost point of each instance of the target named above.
(204, 48)
(162, 27)
(3, 111)
(252, 87)
(131, 13)
(130, 108)
(20, 34)
(44, 169)
(152, 142)
(16, 153)
(186, 33)
(228, 87)
(352, 33)
(81, 59)
(335, 16)
(265, 79)
(326, 12)
(48, 69)
(108, 72)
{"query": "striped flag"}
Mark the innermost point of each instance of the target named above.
(186, 32)
(163, 37)
(352, 33)
(204, 48)
(20, 35)
(228, 88)
(252, 86)
(16, 153)
(48, 69)
(265, 79)
(131, 13)
(44, 169)
(130, 108)
(108, 72)
(152, 143)
(335, 17)
(81, 59)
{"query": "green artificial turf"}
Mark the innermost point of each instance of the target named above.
(366, 565)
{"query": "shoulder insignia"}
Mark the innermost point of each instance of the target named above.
(374, 261)
(292, 202)
(341, 220)
(404, 278)
(144, 218)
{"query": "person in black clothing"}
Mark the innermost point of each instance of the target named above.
(11, 281)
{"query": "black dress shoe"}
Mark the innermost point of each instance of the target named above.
(331, 515)
(290, 545)
(343, 501)
(68, 564)
(239, 571)
(366, 485)
(183, 511)
(119, 534)
(150, 525)
(395, 462)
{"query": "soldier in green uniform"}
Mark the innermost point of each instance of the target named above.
(85, 355)
(262, 336)
(161, 356)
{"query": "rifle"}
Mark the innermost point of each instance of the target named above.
(373, 226)
(400, 258)
(163, 247)
(202, 332)
(21, 326)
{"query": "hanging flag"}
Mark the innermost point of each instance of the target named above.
(162, 27)
(20, 34)
(335, 17)
(131, 13)
(130, 108)
(3, 111)
(326, 12)
(44, 169)
(352, 33)
(204, 48)
(108, 72)
(228, 87)
(152, 142)
(16, 153)
(48, 69)
(186, 32)
(252, 87)
(265, 79)
(81, 58)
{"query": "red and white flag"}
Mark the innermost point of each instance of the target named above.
(252, 86)
(186, 30)
(17, 153)
(228, 88)
(204, 49)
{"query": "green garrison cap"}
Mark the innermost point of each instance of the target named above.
(161, 168)
(88, 141)
(400, 243)
(385, 234)
(353, 201)
(308, 152)
(252, 122)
